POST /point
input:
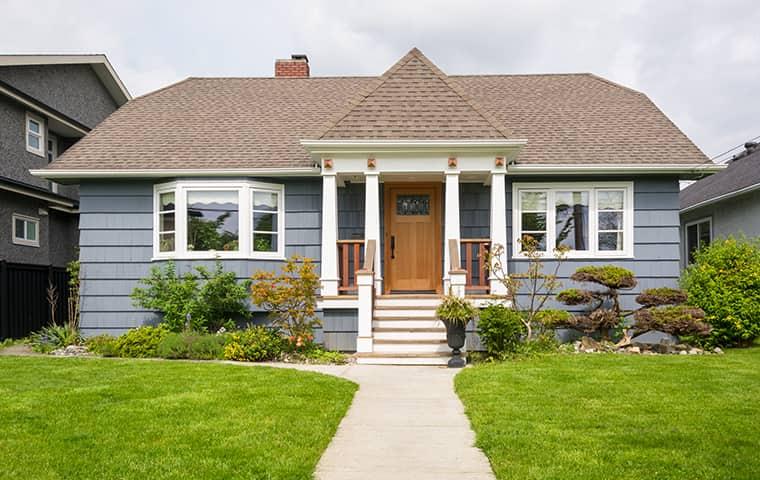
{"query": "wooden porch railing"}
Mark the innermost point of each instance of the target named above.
(474, 256)
(350, 258)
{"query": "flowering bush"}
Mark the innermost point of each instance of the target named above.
(254, 344)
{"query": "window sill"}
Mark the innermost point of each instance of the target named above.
(26, 243)
(581, 256)
(219, 256)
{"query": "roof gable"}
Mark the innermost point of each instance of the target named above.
(413, 99)
(741, 175)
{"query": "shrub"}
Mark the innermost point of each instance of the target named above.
(653, 297)
(551, 318)
(681, 320)
(611, 276)
(209, 300)
(455, 310)
(141, 342)
(322, 356)
(103, 345)
(724, 281)
(575, 296)
(500, 329)
(53, 337)
(254, 344)
(290, 297)
(192, 345)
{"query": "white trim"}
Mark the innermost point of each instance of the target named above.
(660, 168)
(592, 187)
(451, 230)
(42, 151)
(42, 111)
(686, 235)
(62, 174)
(329, 262)
(23, 240)
(725, 196)
(401, 145)
(48, 198)
(245, 191)
(498, 228)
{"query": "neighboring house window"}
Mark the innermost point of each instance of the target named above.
(52, 154)
(35, 135)
(26, 230)
(196, 219)
(591, 220)
(698, 235)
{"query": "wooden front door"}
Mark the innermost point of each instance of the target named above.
(413, 238)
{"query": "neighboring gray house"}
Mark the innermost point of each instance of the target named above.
(47, 103)
(416, 170)
(727, 203)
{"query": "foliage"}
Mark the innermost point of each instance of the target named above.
(254, 344)
(53, 337)
(318, 355)
(73, 269)
(540, 285)
(192, 345)
(543, 343)
(103, 345)
(200, 300)
(653, 297)
(456, 310)
(724, 281)
(204, 234)
(134, 420)
(610, 276)
(575, 296)
(500, 329)
(290, 297)
(552, 318)
(598, 320)
(680, 320)
(141, 342)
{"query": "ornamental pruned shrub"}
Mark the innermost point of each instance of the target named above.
(724, 281)
(653, 297)
(679, 320)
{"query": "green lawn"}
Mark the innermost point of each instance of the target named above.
(63, 418)
(620, 417)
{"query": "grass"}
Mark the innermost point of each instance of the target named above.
(614, 416)
(121, 419)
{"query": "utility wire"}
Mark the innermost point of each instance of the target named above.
(734, 148)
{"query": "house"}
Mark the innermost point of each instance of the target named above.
(727, 203)
(47, 103)
(394, 184)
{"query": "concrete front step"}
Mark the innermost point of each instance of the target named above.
(410, 346)
(403, 359)
(409, 334)
(404, 313)
(408, 301)
(407, 324)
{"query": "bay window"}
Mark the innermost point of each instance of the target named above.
(226, 219)
(590, 220)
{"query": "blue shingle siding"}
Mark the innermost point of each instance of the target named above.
(116, 235)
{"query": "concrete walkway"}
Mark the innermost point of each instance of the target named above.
(404, 423)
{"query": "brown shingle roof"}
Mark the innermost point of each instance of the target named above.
(216, 123)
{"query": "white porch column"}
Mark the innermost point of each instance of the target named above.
(451, 226)
(499, 227)
(329, 263)
(372, 221)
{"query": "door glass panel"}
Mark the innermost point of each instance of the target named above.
(412, 205)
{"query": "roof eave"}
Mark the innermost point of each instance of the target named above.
(331, 146)
(71, 175)
(721, 197)
(683, 170)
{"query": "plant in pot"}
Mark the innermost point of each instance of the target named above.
(455, 313)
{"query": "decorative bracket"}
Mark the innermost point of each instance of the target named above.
(452, 162)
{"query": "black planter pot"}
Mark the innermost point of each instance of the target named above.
(455, 336)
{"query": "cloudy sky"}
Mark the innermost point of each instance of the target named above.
(699, 61)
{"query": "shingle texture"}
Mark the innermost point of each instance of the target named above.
(741, 173)
(214, 123)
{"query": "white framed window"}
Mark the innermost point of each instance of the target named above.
(52, 154)
(26, 230)
(697, 234)
(35, 134)
(226, 219)
(593, 220)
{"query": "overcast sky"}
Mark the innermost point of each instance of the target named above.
(698, 61)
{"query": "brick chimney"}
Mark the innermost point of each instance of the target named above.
(297, 66)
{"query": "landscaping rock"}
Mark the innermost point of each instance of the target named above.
(72, 351)
(718, 350)
(683, 352)
(654, 337)
(634, 349)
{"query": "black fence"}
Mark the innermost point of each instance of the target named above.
(24, 306)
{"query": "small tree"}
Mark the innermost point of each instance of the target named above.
(538, 286)
(290, 297)
(73, 304)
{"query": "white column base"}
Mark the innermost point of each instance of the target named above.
(364, 344)
(365, 283)
(378, 286)
(498, 288)
(329, 287)
(458, 282)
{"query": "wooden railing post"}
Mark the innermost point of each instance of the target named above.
(365, 282)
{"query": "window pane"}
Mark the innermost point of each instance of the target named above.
(692, 238)
(34, 141)
(610, 220)
(166, 242)
(212, 220)
(167, 201)
(539, 238)
(533, 201)
(264, 242)
(20, 230)
(413, 205)
(31, 231)
(704, 234)
(572, 220)
(266, 201)
(166, 222)
(610, 200)
(534, 221)
(610, 241)
(266, 222)
(33, 126)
